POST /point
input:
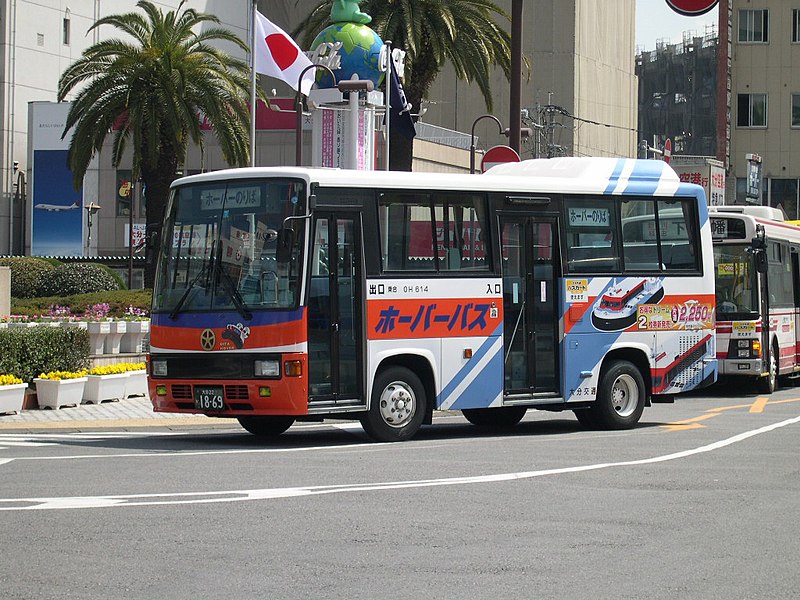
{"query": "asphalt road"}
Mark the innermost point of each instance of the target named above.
(700, 501)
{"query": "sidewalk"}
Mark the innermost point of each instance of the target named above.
(123, 414)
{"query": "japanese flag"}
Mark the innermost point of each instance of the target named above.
(277, 55)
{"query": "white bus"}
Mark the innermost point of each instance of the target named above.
(288, 294)
(756, 272)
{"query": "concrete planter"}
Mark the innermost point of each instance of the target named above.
(98, 332)
(137, 384)
(116, 330)
(134, 336)
(54, 393)
(102, 388)
(12, 397)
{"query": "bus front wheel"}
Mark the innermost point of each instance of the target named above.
(620, 396)
(768, 384)
(266, 426)
(397, 406)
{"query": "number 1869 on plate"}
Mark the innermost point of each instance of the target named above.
(208, 398)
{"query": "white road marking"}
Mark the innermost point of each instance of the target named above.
(60, 503)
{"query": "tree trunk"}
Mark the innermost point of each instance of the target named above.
(156, 182)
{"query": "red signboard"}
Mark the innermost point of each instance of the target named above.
(692, 8)
(497, 155)
(667, 150)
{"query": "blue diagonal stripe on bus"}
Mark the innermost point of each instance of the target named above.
(614, 177)
(487, 385)
(467, 369)
(645, 177)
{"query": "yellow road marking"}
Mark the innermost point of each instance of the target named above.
(754, 407)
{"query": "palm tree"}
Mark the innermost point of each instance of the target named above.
(150, 90)
(432, 32)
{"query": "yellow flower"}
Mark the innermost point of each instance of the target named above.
(9, 380)
(59, 375)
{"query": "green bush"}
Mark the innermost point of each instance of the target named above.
(77, 278)
(26, 274)
(27, 352)
(118, 301)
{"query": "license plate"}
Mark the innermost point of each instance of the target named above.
(208, 397)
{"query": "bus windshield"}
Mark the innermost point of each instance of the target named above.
(735, 281)
(219, 247)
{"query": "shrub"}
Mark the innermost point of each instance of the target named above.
(27, 352)
(119, 302)
(26, 273)
(77, 278)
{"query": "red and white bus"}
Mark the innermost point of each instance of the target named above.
(758, 294)
(292, 294)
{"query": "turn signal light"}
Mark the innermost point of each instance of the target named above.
(293, 368)
(756, 348)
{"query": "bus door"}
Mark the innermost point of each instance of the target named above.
(334, 309)
(795, 258)
(530, 265)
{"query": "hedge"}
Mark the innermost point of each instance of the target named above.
(26, 274)
(29, 351)
(118, 301)
(78, 278)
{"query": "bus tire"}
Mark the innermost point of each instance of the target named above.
(266, 426)
(495, 418)
(397, 406)
(620, 396)
(768, 384)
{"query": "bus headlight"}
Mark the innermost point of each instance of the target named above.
(267, 368)
(159, 368)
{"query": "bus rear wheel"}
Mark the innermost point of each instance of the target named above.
(397, 406)
(620, 396)
(266, 426)
(495, 418)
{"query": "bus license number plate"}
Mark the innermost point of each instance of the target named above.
(208, 398)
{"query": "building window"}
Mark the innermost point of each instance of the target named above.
(754, 26)
(783, 195)
(795, 110)
(66, 32)
(795, 25)
(751, 110)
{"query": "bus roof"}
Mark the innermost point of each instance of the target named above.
(554, 175)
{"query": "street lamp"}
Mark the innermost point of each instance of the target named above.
(472, 139)
(298, 106)
(91, 211)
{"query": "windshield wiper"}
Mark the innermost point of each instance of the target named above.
(238, 301)
(203, 271)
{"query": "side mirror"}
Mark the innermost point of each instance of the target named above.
(761, 261)
(285, 239)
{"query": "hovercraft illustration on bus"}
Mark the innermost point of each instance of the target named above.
(616, 308)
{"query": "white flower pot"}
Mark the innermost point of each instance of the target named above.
(54, 393)
(98, 332)
(137, 384)
(100, 388)
(134, 336)
(12, 397)
(116, 331)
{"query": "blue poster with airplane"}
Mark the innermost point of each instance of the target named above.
(57, 208)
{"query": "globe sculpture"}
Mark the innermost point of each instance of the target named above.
(360, 51)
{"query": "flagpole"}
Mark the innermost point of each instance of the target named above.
(387, 78)
(253, 98)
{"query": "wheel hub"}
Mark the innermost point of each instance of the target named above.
(397, 404)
